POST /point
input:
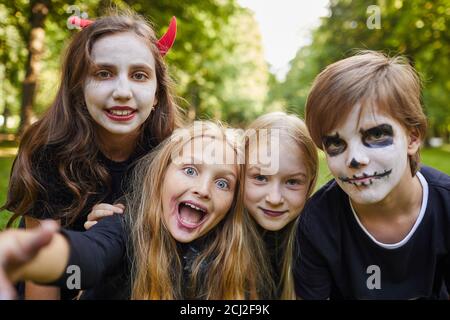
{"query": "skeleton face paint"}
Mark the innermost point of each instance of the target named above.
(367, 155)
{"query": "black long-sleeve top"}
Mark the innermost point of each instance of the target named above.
(102, 259)
(103, 256)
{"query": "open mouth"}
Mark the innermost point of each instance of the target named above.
(191, 215)
(273, 213)
(365, 179)
(120, 113)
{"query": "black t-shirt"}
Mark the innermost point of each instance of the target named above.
(58, 195)
(339, 259)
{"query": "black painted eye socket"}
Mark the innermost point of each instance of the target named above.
(334, 145)
(379, 136)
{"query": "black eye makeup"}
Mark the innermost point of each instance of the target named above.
(378, 137)
(334, 145)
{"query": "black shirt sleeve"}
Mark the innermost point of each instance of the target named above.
(312, 278)
(96, 252)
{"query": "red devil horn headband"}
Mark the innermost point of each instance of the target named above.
(164, 44)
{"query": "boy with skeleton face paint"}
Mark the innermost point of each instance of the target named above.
(381, 228)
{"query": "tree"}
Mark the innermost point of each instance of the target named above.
(417, 29)
(216, 63)
(35, 45)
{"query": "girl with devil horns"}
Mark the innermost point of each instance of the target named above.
(114, 105)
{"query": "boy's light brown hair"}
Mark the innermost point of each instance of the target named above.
(374, 80)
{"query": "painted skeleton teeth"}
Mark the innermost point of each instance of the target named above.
(364, 184)
(364, 175)
(194, 207)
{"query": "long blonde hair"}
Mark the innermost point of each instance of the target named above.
(296, 129)
(236, 269)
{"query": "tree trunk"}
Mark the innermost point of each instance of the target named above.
(39, 11)
(6, 114)
(194, 103)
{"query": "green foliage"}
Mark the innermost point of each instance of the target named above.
(418, 29)
(217, 62)
(12, 55)
(5, 168)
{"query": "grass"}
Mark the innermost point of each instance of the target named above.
(436, 158)
(5, 168)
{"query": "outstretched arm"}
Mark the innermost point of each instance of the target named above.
(40, 255)
(24, 255)
(35, 291)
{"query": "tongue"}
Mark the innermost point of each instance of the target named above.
(190, 215)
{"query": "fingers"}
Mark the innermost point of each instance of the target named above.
(119, 205)
(7, 291)
(89, 224)
(18, 248)
(98, 214)
(117, 208)
(103, 210)
(100, 211)
(37, 238)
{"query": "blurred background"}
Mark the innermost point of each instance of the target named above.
(233, 59)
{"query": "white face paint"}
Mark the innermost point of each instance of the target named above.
(368, 159)
(120, 90)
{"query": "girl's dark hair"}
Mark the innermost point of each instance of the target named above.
(68, 130)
